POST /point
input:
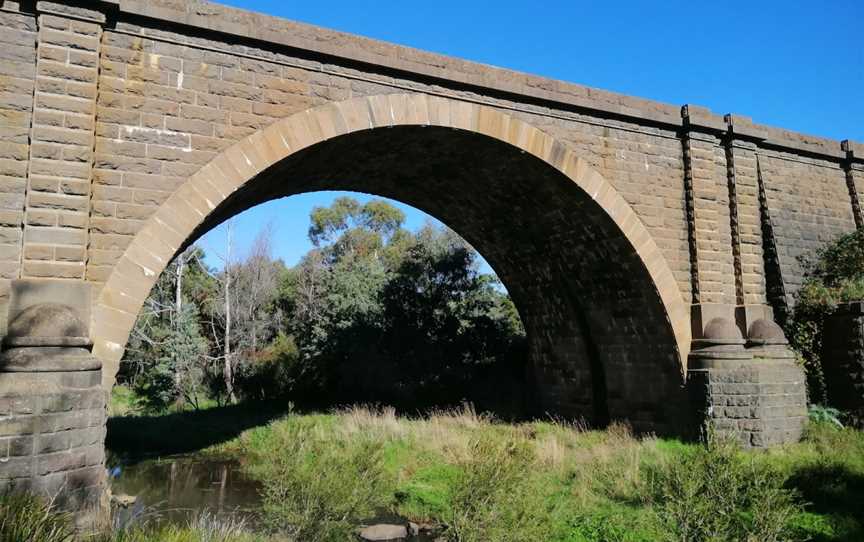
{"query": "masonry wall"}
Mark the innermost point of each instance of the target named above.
(17, 82)
(127, 107)
(809, 204)
(165, 109)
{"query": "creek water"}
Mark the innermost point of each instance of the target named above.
(173, 489)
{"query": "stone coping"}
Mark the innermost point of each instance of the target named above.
(754, 363)
(46, 341)
(214, 17)
(851, 307)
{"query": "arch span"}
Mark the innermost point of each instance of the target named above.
(608, 330)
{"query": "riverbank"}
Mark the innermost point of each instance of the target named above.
(321, 474)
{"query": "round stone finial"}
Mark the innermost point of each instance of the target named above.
(766, 331)
(47, 337)
(722, 329)
(47, 320)
(767, 340)
(721, 340)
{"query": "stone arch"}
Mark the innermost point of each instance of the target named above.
(573, 311)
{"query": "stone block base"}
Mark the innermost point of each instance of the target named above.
(52, 429)
(52, 405)
(761, 402)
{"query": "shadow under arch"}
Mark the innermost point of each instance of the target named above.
(601, 308)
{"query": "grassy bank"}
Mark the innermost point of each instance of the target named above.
(497, 482)
(548, 481)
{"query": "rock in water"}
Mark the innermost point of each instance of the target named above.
(384, 531)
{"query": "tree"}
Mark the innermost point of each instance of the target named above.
(165, 361)
(247, 316)
(372, 313)
(379, 313)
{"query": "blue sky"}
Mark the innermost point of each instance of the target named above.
(795, 64)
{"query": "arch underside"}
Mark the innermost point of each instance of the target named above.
(601, 331)
(598, 336)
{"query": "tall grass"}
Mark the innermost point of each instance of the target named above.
(546, 480)
(315, 486)
(26, 518)
(494, 497)
(719, 494)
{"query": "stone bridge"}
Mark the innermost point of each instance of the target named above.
(649, 248)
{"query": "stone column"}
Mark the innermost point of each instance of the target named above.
(707, 191)
(52, 406)
(17, 81)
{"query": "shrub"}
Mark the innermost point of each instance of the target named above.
(495, 497)
(315, 488)
(719, 494)
(275, 372)
(834, 274)
(25, 518)
(826, 415)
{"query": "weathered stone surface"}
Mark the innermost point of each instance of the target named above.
(761, 402)
(47, 320)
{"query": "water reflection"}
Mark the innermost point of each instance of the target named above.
(174, 489)
(170, 489)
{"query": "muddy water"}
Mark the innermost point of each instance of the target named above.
(175, 488)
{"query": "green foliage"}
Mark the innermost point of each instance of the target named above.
(123, 402)
(164, 361)
(614, 523)
(274, 372)
(840, 261)
(834, 274)
(343, 222)
(823, 414)
(380, 314)
(25, 518)
(427, 494)
(373, 313)
(174, 371)
(489, 478)
(719, 495)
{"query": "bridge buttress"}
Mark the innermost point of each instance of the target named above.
(52, 404)
(742, 377)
